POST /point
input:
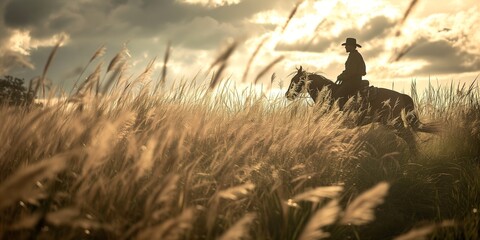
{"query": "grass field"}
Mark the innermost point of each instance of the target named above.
(137, 161)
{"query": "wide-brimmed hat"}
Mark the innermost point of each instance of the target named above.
(351, 41)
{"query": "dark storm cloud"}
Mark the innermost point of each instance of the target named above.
(28, 13)
(129, 19)
(443, 56)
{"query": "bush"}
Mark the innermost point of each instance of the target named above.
(12, 92)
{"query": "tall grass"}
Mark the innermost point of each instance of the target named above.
(192, 163)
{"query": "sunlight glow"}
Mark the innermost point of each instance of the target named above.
(21, 41)
(268, 17)
(323, 19)
(211, 3)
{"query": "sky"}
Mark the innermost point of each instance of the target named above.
(441, 38)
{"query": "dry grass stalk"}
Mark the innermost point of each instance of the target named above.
(323, 217)
(91, 80)
(216, 76)
(417, 233)
(421, 233)
(224, 56)
(411, 6)
(272, 78)
(164, 193)
(268, 67)
(164, 68)
(361, 210)
(46, 67)
(99, 53)
(117, 59)
(63, 216)
(146, 74)
(22, 184)
(174, 228)
(119, 77)
(115, 77)
(236, 192)
(240, 229)
(317, 194)
(222, 59)
(103, 135)
(314, 35)
(25, 223)
(250, 61)
(292, 14)
(145, 162)
(398, 54)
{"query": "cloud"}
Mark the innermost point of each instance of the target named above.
(126, 19)
(28, 13)
(90, 23)
(446, 43)
(157, 15)
(317, 45)
(443, 57)
(11, 59)
(207, 33)
(376, 28)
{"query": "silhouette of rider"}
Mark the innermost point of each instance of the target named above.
(350, 79)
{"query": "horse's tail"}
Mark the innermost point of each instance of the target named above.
(410, 117)
(414, 122)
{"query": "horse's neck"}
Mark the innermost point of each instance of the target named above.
(318, 82)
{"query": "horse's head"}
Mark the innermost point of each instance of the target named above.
(297, 85)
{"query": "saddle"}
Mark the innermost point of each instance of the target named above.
(366, 90)
(364, 84)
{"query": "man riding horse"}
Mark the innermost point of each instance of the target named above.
(385, 106)
(351, 78)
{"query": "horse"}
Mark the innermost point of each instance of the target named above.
(388, 107)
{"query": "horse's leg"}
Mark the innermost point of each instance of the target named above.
(388, 107)
(407, 123)
(341, 95)
(411, 117)
(409, 137)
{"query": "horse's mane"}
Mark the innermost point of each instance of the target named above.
(319, 75)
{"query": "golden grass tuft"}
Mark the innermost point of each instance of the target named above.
(26, 183)
(361, 210)
(325, 216)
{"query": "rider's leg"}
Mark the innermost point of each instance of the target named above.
(338, 95)
(343, 93)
